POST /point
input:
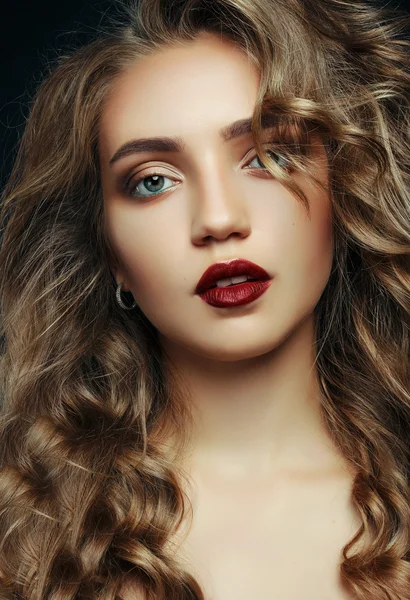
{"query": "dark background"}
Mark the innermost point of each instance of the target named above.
(32, 32)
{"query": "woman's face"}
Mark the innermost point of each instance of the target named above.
(212, 202)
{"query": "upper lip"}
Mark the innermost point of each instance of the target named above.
(230, 268)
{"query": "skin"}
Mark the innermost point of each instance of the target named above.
(251, 369)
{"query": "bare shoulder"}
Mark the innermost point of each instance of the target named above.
(262, 534)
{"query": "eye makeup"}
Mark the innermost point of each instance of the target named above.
(131, 183)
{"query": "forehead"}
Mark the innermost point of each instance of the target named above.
(201, 84)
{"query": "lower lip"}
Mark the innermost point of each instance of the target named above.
(235, 295)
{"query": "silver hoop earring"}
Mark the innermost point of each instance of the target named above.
(119, 299)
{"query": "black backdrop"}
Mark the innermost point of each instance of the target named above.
(31, 32)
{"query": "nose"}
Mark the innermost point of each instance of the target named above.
(220, 209)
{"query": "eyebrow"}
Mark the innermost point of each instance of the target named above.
(176, 144)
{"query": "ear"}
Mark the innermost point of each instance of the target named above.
(118, 276)
(117, 271)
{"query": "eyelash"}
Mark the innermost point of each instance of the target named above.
(132, 185)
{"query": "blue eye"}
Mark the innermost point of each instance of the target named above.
(285, 161)
(154, 182)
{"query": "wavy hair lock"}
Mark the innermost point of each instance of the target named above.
(89, 496)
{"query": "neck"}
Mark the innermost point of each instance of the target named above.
(259, 415)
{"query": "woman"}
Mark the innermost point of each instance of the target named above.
(205, 310)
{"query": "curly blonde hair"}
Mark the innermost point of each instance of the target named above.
(89, 494)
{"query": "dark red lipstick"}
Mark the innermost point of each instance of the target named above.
(235, 294)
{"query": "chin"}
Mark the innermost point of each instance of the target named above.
(222, 348)
(224, 352)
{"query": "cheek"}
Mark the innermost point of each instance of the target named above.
(290, 230)
(146, 250)
(320, 228)
(301, 246)
(312, 246)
